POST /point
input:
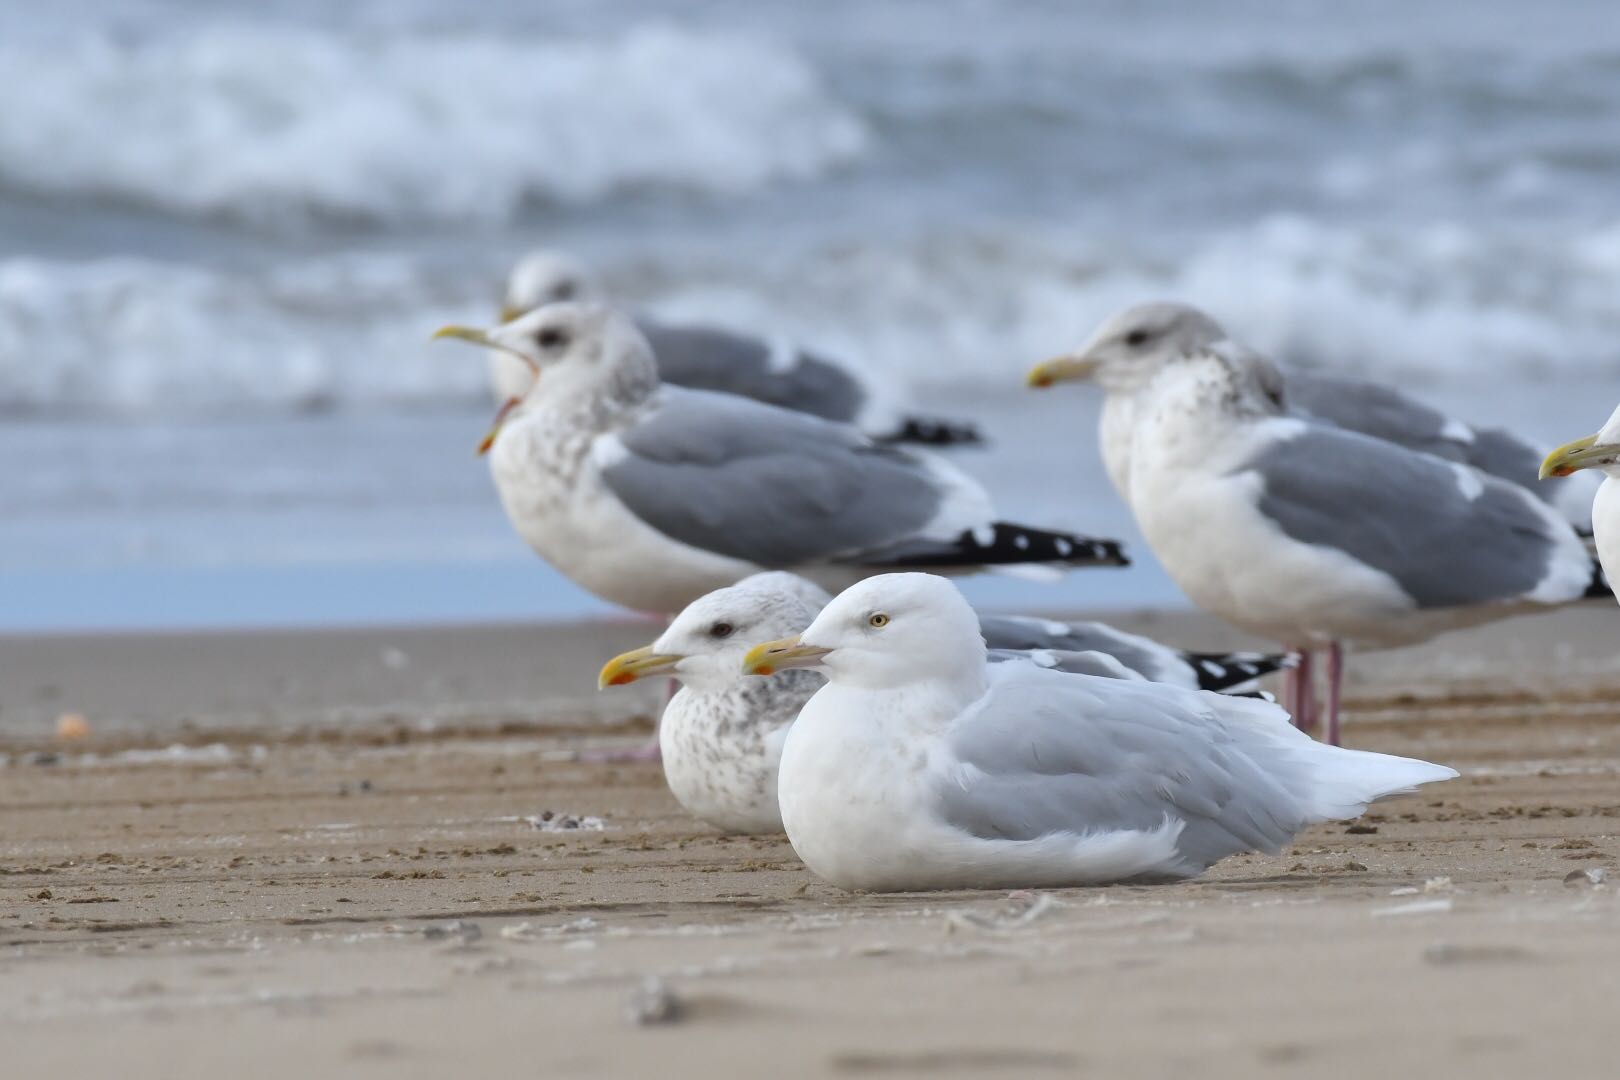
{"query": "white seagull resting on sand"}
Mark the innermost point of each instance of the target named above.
(920, 766)
(721, 733)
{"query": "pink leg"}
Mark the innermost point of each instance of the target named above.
(1305, 717)
(1290, 692)
(1335, 675)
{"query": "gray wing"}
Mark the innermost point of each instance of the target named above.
(708, 358)
(1142, 655)
(1381, 412)
(773, 487)
(1099, 664)
(1446, 533)
(1045, 752)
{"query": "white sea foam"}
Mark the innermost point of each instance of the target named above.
(274, 123)
(137, 337)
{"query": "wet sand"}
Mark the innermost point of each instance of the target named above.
(350, 852)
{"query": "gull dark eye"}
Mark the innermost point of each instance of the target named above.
(878, 621)
(551, 338)
(563, 291)
(1138, 337)
(721, 630)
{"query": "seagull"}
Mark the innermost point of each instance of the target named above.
(920, 766)
(1600, 452)
(1301, 530)
(712, 358)
(721, 734)
(651, 495)
(1370, 408)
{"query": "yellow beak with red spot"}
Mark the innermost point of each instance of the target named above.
(769, 657)
(641, 663)
(1583, 453)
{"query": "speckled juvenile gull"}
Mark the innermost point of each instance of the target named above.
(919, 766)
(1300, 530)
(1375, 409)
(1601, 454)
(705, 357)
(651, 495)
(721, 734)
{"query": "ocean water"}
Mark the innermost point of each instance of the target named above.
(226, 232)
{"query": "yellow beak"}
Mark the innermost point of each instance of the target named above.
(512, 311)
(769, 657)
(465, 333)
(1060, 369)
(1575, 456)
(641, 663)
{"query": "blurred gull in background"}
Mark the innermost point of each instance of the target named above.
(707, 357)
(652, 495)
(1300, 530)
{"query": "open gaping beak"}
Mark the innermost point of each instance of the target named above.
(482, 337)
(1060, 369)
(767, 658)
(1572, 457)
(641, 663)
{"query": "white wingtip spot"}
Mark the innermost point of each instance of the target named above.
(984, 535)
(1468, 481)
(1457, 431)
(1064, 548)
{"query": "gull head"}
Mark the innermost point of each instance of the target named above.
(705, 644)
(1600, 451)
(547, 277)
(1131, 347)
(888, 631)
(577, 350)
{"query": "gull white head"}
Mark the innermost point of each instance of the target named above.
(547, 277)
(705, 644)
(1133, 346)
(885, 632)
(1600, 451)
(580, 351)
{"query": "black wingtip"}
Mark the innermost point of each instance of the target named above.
(1222, 671)
(1600, 587)
(1004, 544)
(935, 431)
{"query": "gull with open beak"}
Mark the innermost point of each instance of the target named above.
(1600, 452)
(651, 495)
(1301, 530)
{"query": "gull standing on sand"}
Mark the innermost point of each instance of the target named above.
(1297, 529)
(712, 358)
(721, 734)
(651, 495)
(1383, 412)
(1600, 452)
(919, 766)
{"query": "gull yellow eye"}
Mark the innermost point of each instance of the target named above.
(878, 621)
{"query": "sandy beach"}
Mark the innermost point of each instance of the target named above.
(305, 853)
